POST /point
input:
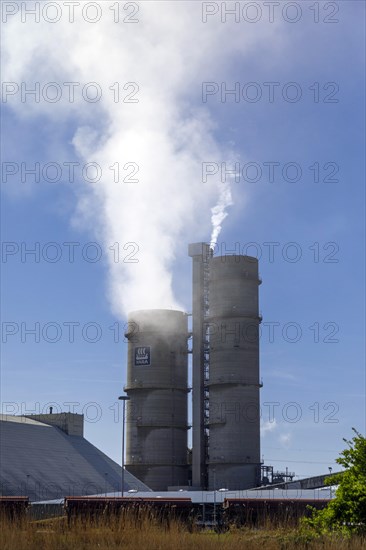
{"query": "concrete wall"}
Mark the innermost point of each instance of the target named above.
(70, 423)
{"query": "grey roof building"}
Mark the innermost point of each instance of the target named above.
(46, 457)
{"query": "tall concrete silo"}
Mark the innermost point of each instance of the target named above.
(157, 384)
(234, 416)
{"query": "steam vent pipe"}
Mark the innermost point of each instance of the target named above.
(157, 385)
(234, 414)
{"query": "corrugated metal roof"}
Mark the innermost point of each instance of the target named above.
(219, 495)
(21, 420)
(209, 497)
(45, 463)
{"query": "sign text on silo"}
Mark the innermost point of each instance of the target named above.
(143, 356)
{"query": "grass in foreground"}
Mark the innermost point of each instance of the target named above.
(125, 534)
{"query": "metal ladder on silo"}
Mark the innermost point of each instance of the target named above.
(206, 360)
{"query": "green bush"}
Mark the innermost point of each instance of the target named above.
(346, 513)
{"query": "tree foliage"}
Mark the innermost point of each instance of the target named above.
(347, 511)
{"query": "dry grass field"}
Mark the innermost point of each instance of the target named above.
(124, 534)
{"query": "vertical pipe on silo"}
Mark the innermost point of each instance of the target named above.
(200, 254)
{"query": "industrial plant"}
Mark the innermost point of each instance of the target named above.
(202, 365)
(224, 345)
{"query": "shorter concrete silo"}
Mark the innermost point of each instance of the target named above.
(157, 385)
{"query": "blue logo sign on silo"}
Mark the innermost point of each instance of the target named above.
(143, 356)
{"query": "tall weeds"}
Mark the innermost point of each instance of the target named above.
(127, 533)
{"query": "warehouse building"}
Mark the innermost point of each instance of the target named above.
(47, 457)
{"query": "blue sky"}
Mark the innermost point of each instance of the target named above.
(318, 382)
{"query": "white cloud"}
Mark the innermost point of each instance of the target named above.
(285, 439)
(168, 54)
(268, 426)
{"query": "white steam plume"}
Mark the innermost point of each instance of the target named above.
(168, 134)
(219, 212)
